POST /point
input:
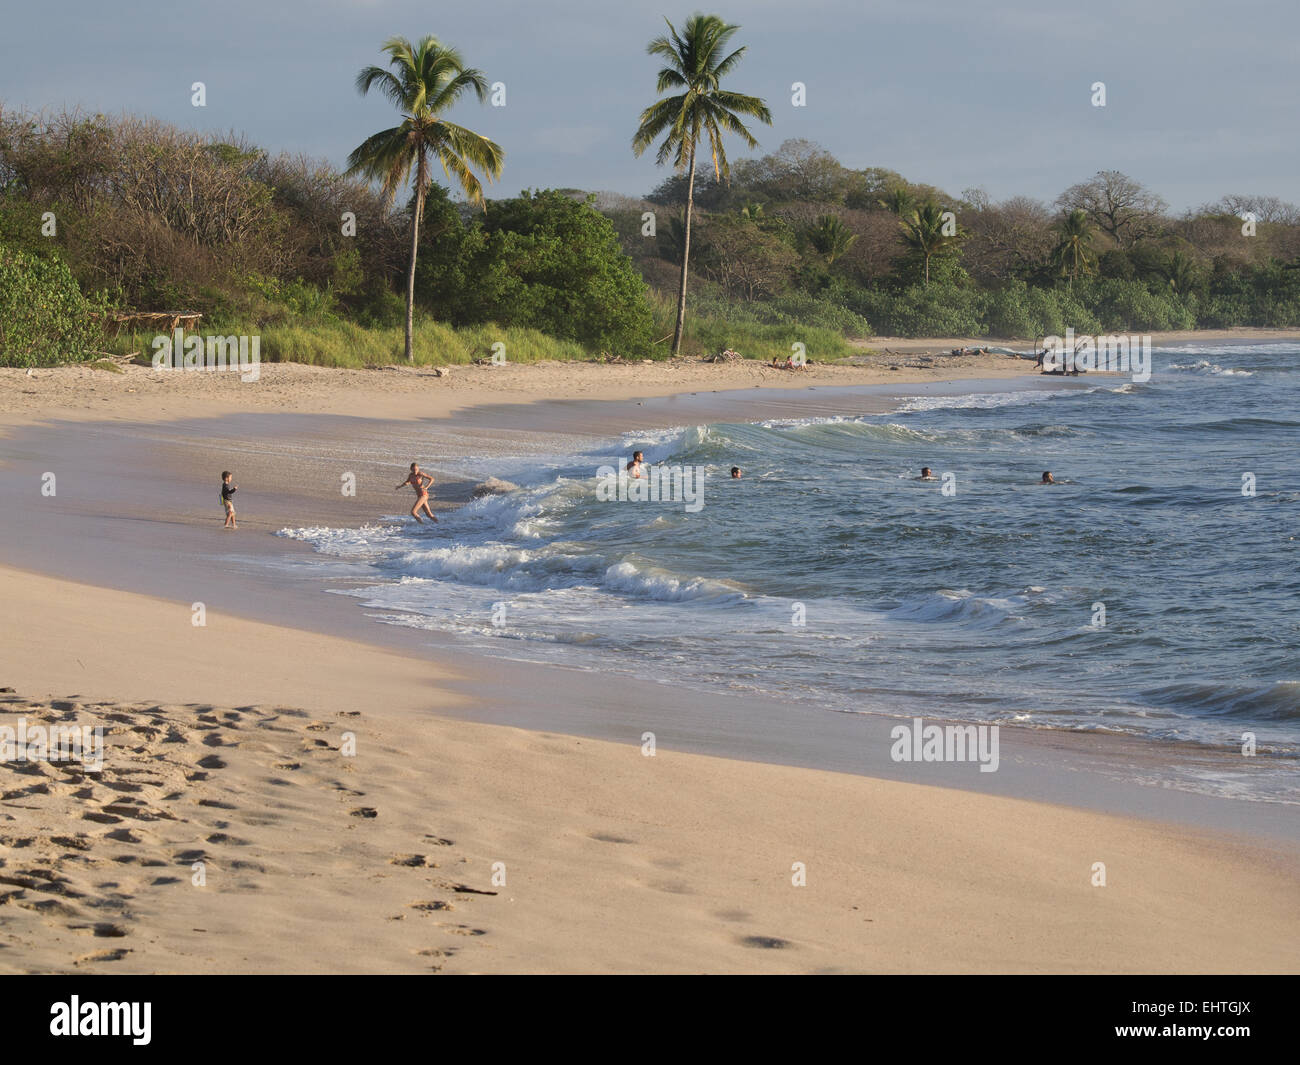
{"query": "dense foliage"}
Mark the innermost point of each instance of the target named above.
(796, 248)
(44, 318)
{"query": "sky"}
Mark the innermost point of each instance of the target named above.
(961, 94)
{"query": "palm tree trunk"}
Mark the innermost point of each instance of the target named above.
(415, 243)
(927, 271)
(686, 257)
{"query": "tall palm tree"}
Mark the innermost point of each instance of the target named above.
(700, 112)
(425, 80)
(923, 233)
(1073, 251)
(831, 237)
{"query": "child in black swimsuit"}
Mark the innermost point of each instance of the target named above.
(228, 490)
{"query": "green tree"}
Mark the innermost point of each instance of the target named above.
(830, 237)
(898, 200)
(426, 79)
(925, 236)
(696, 64)
(546, 261)
(44, 319)
(1073, 251)
(1181, 272)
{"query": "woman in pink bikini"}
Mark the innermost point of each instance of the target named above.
(420, 482)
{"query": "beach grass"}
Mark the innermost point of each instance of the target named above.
(338, 343)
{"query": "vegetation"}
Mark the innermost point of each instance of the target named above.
(695, 116)
(124, 214)
(426, 80)
(44, 318)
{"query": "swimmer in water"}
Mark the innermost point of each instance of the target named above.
(736, 473)
(420, 482)
(634, 467)
(1048, 478)
(927, 474)
(228, 490)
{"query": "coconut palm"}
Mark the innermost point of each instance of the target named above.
(695, 63)
(831, 237)
(1181, 272)
(424, 80)
(898, 201)
(923, 234)
(1073, 251)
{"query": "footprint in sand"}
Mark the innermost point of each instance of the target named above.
(601, 837)
(364, 811)
(432, 905)
(462, 929)
(412, 860)
(122, 835)
(765, 942)
(102, 955)
(103, 930)
(211, 762)
(221, 837)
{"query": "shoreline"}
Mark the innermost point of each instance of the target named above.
(468, 760)
(402, 393)
(296, 451)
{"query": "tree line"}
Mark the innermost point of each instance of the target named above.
(125, 212)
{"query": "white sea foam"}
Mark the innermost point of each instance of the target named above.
(1204, 366)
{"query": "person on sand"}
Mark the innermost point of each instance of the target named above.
(926, 474)
(228, 490)
(736, 473)
(1048, 478)
(634, 467)
(420, 482)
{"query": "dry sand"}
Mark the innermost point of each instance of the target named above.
(402, 392)
(316, 861)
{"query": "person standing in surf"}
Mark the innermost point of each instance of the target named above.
(420, 482)
(228, 490)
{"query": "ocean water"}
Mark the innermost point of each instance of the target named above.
(1152, 592)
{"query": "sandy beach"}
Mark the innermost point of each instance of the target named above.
(280, 793)
(612, 861)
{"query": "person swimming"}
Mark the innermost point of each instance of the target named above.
(420, 482)
(634, 467)
(736, 473)
(927, 474)
(1048, 478)
(228, 490)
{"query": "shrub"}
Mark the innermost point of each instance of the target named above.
(44, 318)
